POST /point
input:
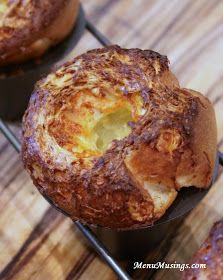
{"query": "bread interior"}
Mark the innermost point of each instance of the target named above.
(112, 126)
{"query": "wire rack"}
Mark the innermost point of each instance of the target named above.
(86, 231)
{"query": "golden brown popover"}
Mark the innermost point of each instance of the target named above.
(28, 28)
(110, 137)
(211, 254)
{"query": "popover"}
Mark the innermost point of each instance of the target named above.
(28, 28)
(211, 255)
(110, 137)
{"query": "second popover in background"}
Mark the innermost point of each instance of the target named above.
(29, 28)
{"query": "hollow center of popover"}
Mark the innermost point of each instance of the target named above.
(90, 122)
(112, 126)
(3, 7)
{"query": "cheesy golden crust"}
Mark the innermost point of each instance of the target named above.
(211, 254)
(28, 28)
(104, 137)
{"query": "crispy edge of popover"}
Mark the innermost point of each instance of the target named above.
(211, 254)
(43, 25)
(120, 190)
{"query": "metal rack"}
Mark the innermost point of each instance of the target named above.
(90, 236)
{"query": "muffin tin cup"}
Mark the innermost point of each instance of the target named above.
(135, 244)
(15, 89)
